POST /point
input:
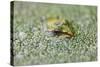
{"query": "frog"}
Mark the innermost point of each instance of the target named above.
(59, 26)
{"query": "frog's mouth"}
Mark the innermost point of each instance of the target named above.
(59, 33)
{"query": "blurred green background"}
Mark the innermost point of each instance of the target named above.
(32, 46)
